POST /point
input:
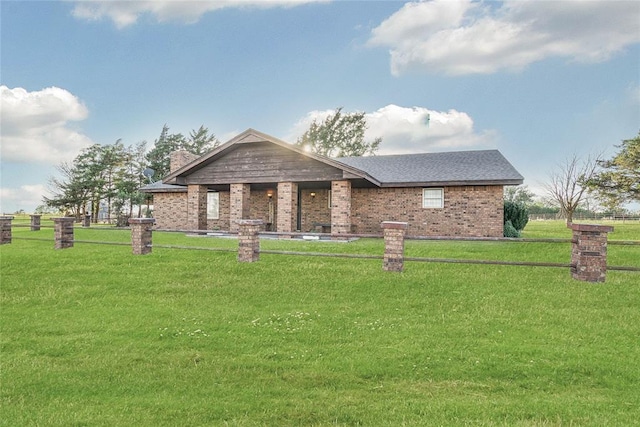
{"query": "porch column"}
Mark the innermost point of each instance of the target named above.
(340, 207)
(197, 207)
(287, 207)
(239, 204)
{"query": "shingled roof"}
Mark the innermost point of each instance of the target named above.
(483, 167)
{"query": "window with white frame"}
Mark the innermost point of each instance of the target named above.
(213, 205)
(433, 198)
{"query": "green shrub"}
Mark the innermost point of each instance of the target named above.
(510, 230)
(517, 214)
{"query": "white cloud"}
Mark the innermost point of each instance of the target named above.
(125, 13)
(411, 130)
(34, 125)
(418, 130)
(301, 126)
(464, 37)
(25, 197)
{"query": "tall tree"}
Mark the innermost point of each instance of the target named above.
(568, 183)
(70, 191)
(96, 178)
(159, 155)
(339, 135)
(619, 180)
(201, 141)
(130, 179)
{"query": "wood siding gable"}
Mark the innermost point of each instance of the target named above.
(263, 162)
(253, 158)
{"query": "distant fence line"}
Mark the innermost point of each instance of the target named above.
(585, 217)
(588, 255)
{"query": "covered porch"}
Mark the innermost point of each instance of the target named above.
(321, 207)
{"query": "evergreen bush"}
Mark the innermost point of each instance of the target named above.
(517, 214)
(510, 230)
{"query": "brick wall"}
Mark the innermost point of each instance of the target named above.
(258, 209)
(315, 210)
(170, 210)
(468, 211)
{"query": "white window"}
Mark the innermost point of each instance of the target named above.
(433, 198)
(213, 205)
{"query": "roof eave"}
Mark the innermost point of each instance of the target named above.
(163, 190)
(452, 183)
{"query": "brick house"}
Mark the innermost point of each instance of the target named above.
(256, 176)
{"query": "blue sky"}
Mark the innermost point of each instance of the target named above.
(540, 81)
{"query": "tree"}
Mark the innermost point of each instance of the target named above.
(130, 179)
(70, 191)
(201, 142)
(339, 135)
(568, 183)
(619, 180)
(101, 175)
(159, 157)
(519, 194)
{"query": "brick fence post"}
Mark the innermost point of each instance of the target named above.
(35, 222)
(393, 245)
(5, 229)
(141, 235)
(86, 220)
(63, 232)
(589, 252)
(248, 240)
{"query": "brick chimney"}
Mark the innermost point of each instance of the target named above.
(180, 158)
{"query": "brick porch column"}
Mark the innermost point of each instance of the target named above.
(340, 207)
(197, 207)
(249, 240)
(35, 222)
(5, 229)
(589, 252)
(393, 245)
(287, 215)
(141, 235)
(239, 204)
(63, 232)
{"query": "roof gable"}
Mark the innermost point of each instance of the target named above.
(241, 147)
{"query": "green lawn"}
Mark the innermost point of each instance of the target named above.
(95, 336)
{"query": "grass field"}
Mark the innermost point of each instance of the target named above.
(94, 336)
